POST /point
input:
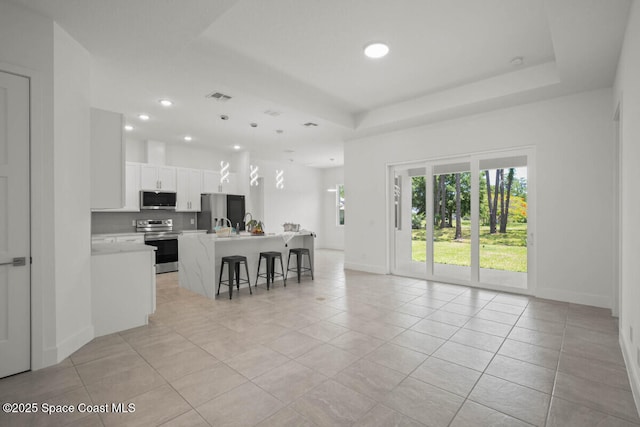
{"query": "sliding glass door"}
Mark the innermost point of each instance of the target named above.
(449, 226)
(464, 220)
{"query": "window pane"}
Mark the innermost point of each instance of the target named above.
(452, 224)
(503, 225)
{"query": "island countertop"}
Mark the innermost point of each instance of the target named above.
(201, 255)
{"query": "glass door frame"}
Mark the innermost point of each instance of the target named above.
(474, 162)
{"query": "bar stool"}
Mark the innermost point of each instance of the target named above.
(299, 268)
(270, 258)
(233, 262)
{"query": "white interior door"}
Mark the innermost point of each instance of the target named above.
(15, 263)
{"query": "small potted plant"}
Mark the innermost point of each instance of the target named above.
(255, 227)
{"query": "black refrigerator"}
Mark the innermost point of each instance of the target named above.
(236, 210)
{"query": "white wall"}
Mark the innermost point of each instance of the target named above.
(573, 140)
(627, 96)
(333, 234)
(26, 48)
(180, 155)
(72, 192)
(299, 202)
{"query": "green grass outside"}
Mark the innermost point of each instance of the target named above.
(498, 251)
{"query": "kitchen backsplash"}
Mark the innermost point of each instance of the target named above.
(120, 222)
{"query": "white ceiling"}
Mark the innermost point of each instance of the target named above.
(303, 59)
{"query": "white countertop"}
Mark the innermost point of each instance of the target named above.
(131, 233)
(113, 248)
(247, 236)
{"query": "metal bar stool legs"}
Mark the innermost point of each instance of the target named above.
(299, 269)
(233, 264)
(270, 275)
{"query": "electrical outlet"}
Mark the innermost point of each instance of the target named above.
(192, 221)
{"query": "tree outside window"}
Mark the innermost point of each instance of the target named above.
(340, 204)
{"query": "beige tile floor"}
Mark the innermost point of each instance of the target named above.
(345, 349)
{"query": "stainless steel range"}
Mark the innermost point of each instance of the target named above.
(159, 233)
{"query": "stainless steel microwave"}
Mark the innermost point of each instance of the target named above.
(157, 200)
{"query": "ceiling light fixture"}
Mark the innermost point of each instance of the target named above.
(165, 103)
(224, 117)
(188, 138)
(517, 61)
(144, 117)
(376, 50)
(128, 128)
(236, 147)
(253, 125)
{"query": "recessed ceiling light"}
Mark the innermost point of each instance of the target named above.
(517, 61)
(188, 138)
(224, 117)
(128, 128)
(236, 147)
(143, 117)
(165, 103)
(376, 50)
(254, 125)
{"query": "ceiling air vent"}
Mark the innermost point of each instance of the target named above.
(218, 96)
(310, 124)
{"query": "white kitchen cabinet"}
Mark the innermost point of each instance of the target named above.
(189, 187)
(107, 160)
(123, 289)
(211, 183)
(132, 190)
(157, 178)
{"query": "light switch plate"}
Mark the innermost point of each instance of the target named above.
(133, 222)
(193, 221)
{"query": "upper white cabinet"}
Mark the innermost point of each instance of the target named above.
(189, 184)
(211, 183)
(157, 178)
(132, 190)
(107, 160)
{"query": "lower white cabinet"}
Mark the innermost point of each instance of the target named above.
(123, 290)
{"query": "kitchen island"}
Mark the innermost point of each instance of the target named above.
(201, 256)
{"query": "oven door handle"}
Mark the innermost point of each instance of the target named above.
(155, 239)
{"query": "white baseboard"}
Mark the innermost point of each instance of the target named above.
(49, 357)
(632, 369)
(367, 268)
(574, 297)
(71, 344)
